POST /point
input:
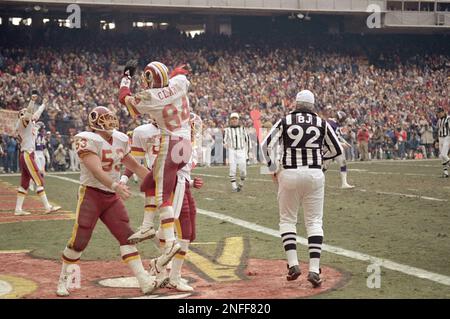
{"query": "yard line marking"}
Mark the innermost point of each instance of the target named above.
(396, 194)
(356, 189)
(386, 263)
(412, 271)
(46, 174)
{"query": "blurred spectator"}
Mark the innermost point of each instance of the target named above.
(363, 143)
(60, 158)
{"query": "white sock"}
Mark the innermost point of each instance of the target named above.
(131, 257)
(167, 224)
(178, 260)
(314, 265)
(41, 192)
(149, 212)
(69, 257)
(292, 257)
(233, 185)
(21, 193)
(344, 178)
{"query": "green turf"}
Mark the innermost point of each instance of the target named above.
(411, 231)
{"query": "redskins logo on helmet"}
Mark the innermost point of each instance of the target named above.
(21, 113)
(102, 119)
(156, 75)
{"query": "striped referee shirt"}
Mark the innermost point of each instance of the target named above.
(236, 138)
(304, 140)
(443, 126)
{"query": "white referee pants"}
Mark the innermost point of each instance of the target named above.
(444, 144)
(40, 160)
(206, 154)
(237, 159)
(306, 187)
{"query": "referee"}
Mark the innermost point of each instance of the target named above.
(444, 139)
(236, 142)
(305, 140)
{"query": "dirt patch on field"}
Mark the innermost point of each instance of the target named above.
(23, 276)
(32, 204)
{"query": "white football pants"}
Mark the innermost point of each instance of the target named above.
(237, 159)
(306, 187)
(444, 144)
(40, 160)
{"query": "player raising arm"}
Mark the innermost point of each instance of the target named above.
(101, 195)
(165, 100)
(26, 133)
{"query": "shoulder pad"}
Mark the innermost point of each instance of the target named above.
(90, 136)
(146, 130)
(120, 136)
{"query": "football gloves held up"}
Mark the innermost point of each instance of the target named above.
(130, 68)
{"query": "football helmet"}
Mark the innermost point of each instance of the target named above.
(341, 116)
(155, 75)
(21, 113)
(102, 119)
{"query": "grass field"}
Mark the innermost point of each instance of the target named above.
(398, 212)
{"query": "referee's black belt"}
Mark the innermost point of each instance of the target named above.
(298, 166)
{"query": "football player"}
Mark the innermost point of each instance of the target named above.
(144, 147)
(184, 213)
(165, 100)
(336, 124)
(101, 196)
(26, 133)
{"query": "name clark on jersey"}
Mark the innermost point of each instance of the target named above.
(167, 92)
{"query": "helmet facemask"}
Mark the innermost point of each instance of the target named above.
(107, 122)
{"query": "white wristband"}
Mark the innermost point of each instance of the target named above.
(114, 186)
(124, 179)
(125, 82)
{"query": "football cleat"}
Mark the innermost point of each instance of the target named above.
(147, 284)
(347, 186)
(61, 290)
(314, 279)
(169, 251)
(141, 235)
(52, 209)
(21, 213)
(293, 272)
(179, 285)
(161, 275)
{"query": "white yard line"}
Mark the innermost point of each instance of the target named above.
(412, 271)
(46, 174)
(396, 194)
(355, 189)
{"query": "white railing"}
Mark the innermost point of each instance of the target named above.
(285, 5)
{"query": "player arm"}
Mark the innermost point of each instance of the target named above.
(269, 144)
(132, 165)
(333, 147)
(39, 111)
(28, 113)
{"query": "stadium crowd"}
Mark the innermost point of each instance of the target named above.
(389, 87)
